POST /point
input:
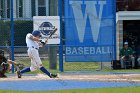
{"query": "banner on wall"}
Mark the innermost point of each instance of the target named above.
(90, 30)
(48, 25)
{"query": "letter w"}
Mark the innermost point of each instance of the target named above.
(90, 11)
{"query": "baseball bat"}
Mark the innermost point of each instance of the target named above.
(52, 33)
(46, 39)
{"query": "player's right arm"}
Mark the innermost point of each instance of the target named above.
(33, 37)
(43, 41)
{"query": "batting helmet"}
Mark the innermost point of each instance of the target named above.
(36, 33)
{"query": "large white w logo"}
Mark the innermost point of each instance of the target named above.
(91, 12)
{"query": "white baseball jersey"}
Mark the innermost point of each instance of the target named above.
(30, 42)
(33, 47)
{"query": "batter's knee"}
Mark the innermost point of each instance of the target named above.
(40, 65)
(32, 68)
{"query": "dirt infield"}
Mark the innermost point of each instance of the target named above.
(133, 78)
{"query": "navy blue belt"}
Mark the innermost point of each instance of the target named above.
(33, 47)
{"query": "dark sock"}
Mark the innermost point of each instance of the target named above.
(25, 70)
(45, 71)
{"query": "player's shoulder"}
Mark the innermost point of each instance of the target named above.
(29, 35)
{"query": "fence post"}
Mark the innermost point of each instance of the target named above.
(53, 57)
(53, 48)
(12, 32)
(115, 47)
(61, 43)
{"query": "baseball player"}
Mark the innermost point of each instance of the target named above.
(5, 64)
(33, 41)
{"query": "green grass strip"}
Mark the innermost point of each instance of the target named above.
(97, 90)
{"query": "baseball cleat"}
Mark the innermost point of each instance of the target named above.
(18, 74)
(53, 76)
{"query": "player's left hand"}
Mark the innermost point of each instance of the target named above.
(43, 41)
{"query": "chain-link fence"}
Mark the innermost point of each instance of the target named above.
(23, 12)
